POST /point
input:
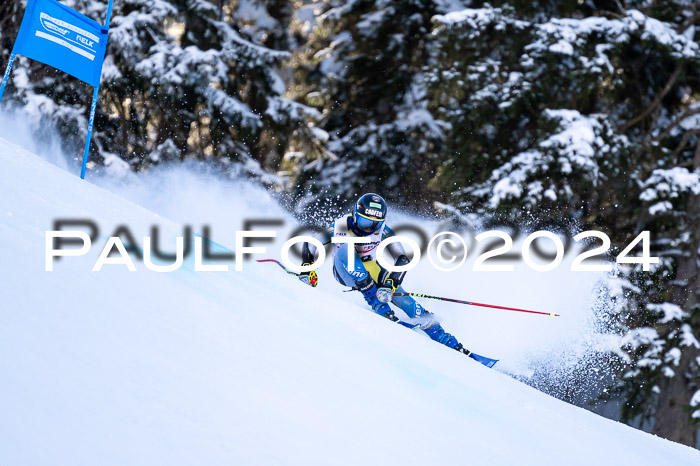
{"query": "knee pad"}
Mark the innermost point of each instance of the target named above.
(426, 319)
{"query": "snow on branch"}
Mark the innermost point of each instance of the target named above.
(669, 311)
(571, 34)
(231, 108)
(670, 184)
(573, 149)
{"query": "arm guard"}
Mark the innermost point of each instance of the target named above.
(393, 279)
(308, 251)
(307, 257)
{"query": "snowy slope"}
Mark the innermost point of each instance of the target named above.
(186, 368)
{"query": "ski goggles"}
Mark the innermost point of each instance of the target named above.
(367, 224)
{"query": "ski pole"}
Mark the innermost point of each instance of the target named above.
(290, 272)
(418, 295)
(458, 301)
(310, 280)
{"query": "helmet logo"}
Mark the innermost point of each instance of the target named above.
(376, 198)
(374, 213)
(375, 205)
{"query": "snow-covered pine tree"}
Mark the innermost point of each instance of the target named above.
(182, 79)
(532, 100)
(361, 66)
(590, 117)
(208, 89)
(49, 99)
(661, 318)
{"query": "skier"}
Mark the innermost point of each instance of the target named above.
(376, 284)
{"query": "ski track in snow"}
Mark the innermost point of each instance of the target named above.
(252, 367)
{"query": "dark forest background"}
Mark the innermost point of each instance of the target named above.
(570, 115)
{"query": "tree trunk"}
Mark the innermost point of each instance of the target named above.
(672, 420)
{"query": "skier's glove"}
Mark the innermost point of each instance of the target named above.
(310, 278)
(384, 293)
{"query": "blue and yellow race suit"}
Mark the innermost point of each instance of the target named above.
(366, 268)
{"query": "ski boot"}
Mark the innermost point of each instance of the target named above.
(462, 349)
(437, 333)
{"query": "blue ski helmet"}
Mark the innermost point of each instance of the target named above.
(369, 212)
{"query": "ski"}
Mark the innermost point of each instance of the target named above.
(488, 362)
(407, 325)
